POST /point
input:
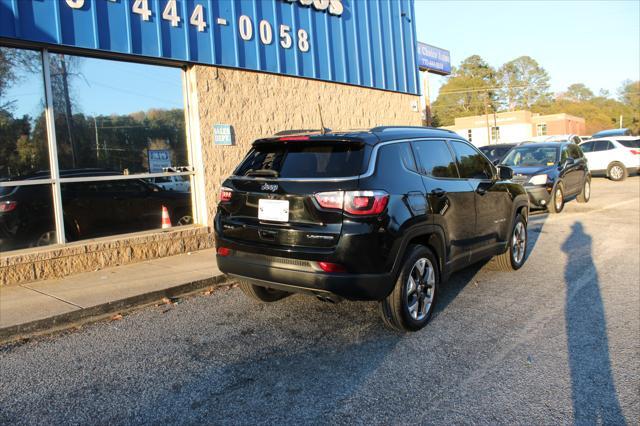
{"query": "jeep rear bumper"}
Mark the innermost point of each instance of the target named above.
(292, 275)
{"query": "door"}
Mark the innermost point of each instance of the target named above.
(587, 149)
(492, 200)
(450, 198)
(579, 166)
(598, 154)
(573, 167)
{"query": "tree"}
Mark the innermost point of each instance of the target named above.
(578, 92)
(629, 95)
(470, 90)
(524, 83)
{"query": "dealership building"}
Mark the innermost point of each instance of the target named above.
(516, 126)
(119, 119)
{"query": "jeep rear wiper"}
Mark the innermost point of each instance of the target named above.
(262, 172)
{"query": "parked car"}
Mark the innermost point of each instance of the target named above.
(551, 172)
(90, 209)
(557, 138)
(172, 183)
(385, 214)
(614, 157)
(611, 132)
(497, 152)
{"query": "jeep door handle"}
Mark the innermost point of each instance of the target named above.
(439, 192)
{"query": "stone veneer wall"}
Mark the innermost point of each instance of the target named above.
(259, 105)
(56, 262)
(256, 105)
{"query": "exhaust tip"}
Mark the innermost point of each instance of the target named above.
(328, 298)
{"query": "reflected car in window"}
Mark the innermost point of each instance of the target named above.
(90, 209)
(172, 183)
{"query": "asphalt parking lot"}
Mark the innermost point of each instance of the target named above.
(556, 342)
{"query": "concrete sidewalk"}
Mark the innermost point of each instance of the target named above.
(45, 306)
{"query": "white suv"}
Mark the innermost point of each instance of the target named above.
(614, 157)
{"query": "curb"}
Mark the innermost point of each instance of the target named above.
(102, 311)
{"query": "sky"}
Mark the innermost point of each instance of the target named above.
(592, 42)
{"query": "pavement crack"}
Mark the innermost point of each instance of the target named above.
(53, 295)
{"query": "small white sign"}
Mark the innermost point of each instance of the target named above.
(273, 210)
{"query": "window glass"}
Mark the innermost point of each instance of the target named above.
(23, 137)
(532, 156)
(435, 159)
(102, 208)
(495, 134)
(587, 147)
(602, 145)
(632, 143)
(306, 159)
(541, 129)
(117, 116)
(26, 217)
(407, 157)
(471, 163)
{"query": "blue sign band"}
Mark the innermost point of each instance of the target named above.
(366, 43)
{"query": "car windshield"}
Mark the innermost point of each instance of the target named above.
(630, 143)
(532, 156)
(494, 153)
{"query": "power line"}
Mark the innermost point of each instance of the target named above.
(487, 89)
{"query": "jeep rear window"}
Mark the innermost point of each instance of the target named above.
(304, 160)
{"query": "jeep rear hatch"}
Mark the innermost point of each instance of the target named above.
(271, 198)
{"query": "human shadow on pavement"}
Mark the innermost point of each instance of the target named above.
(592, 386)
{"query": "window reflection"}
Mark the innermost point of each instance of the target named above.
(100, 208)
(26, 217)
(23, 139)
(117, 116)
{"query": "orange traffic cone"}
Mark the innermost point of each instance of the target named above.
(166, 220)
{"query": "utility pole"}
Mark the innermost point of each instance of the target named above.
(95, 123)
(486, 116)
(427, 98)
(495, 124)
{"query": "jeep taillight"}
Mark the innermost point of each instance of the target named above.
(365, 202)
(7, 206)
(330, 200)
(225, 194)
(359, 203)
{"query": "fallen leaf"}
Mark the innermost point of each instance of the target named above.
(165, 301)
(116, 317)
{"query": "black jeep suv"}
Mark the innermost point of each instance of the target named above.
(385, 214)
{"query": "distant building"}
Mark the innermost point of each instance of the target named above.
(515, 126)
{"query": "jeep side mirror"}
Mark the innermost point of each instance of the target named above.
(505, 173)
